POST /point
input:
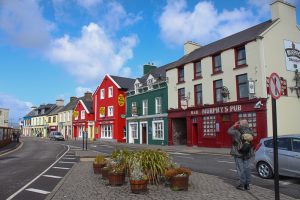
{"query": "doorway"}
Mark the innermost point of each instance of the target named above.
(179, 131)
(195, 134)
(143, 132)
(226, 124)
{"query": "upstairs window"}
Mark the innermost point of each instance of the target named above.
(218, 85)
(145, 107)
(198, 95)
(180, 74)
(54, 119)
(150, 83)
(110, 92)
(68, 116)
(133, 109)
(136, 88)
(240, 56)
(217, 64)
(197, 70)
(181, 96)
(158, 105)
(242, 86)
(110, 111)
(82, 114)
(102, 94)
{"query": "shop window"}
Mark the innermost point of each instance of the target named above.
(145, 107)
(180, 74)
(158, 105)
(158, 130)
(198, 94)
(133, 130)
(181, 96)
(217, 64)
(242, 86)
(240, 56)
(106, 131)
(251, 118)
(209, 126)
(218, 85)
(197, 70)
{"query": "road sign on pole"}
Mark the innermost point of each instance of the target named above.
(275, 91)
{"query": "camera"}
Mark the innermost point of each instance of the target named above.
(258, 104)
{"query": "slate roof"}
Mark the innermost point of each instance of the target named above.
(70, 106)
(55, 110)
(123, 82)
(48, 108)
(88, 105)
(234, 40)
(31, 113)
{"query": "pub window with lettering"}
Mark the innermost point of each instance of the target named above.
(218, 85)
(209, 126)
(242, 86)
(198, 95)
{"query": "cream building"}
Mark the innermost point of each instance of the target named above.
(4, 117)
(227, 80)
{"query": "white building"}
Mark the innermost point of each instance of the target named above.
(4, 117)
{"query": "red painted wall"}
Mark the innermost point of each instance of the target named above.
(88, 117)
(116, 120)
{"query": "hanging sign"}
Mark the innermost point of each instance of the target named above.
(292, 55)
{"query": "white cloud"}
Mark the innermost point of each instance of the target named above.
(81, 90)
(23, 24)
(17, 108)
(93, 54)
(203, 24)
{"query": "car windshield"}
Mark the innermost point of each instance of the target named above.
(58, 133)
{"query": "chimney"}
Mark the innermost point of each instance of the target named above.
(33, 107)
(190, 46)
(60, 102)
(148, 67)
(284, 11)
(88, 96)
(73, 99)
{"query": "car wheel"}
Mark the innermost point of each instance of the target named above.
(264, 170)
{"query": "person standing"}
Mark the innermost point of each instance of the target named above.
(242, 134)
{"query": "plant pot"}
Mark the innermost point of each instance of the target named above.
(116, 179)
(104, 172)
(179, 183)
(97, 168)
(138, 186)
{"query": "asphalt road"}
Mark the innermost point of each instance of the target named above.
(219, 165)
(20, 167)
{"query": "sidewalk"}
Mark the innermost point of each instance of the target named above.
(82, 183)
(12, 146)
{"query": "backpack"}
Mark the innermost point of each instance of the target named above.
(245, 146)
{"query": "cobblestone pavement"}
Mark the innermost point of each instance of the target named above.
(81, 183)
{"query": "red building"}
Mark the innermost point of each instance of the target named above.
(83, 116)
(110, 108)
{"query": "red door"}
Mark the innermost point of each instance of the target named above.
(225, 125)
(144, 135)
(195, 134)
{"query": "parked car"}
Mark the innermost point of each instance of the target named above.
(55, 135)
(288, 156)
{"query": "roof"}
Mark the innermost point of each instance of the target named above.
(70, 106)
(123, 82)
(234, 40)
(55, 110)
(88, 105)
(31, 113)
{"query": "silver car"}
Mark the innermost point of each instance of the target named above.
(288, 156)
(54, 135)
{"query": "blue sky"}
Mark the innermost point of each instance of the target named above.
(52, 49)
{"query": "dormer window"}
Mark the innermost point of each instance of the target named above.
(150, 83)
(136, 88)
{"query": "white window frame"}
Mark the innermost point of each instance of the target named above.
(110, 92)
(82, 114)
(158, 107)
(102, 93)
(110, 111)
(64, 117)
(154, 130)
(60, 117)
(68, 116)
(134, 104)
(136, 88)
(137, 130)
(106, 131)
(145, 107)
(150, 83)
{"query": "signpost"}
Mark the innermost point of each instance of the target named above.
(275, 91)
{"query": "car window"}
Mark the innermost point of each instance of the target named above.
(296, 144)
(269, 143)
(283, 143)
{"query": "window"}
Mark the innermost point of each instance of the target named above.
(64, 117)
(218, 84)
(54, 119)
(240, 56)
(283, 143)
(102, 111)
(181, 96)
(150, 83)
(136, 88)
(133, 109)
(296, 144)
(198, 95)
(180, 74)
(158, 105)
(110, 92)
(68, 116)
(49, 119)
(110, 111)
(145, 107)
(60, 117)
(242, 86)
(217, 63)
(158, 130)
(82, 114)
(209, 126)
(106, 131)
(133, 130)
(251, 119)
(197, 70)
(102, 94)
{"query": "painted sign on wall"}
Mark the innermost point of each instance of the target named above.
(121, 100)
(292, 55)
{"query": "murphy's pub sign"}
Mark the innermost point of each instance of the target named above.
(292, 55)
(218, 110)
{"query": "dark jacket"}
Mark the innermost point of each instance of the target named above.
(236, 139)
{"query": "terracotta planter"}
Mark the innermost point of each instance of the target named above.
(116, 179)
(179, 183)
(104, 172)
(138, 186)
(97, 168)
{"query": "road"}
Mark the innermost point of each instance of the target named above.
(19, 168)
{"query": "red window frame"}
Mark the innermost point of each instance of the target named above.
(180, 95)
(238, 86)
(195, 95)
(236, 52)
(180, 75)
(214, 64)
(197, 75)
(215, 92)
(209, 126)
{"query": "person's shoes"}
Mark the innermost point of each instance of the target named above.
(240, 187)
(247, 187)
